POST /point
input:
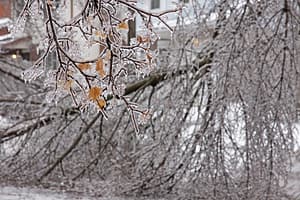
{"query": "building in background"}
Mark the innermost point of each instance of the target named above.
(188, 14)
(178, 21)
(158, 6)
(19, 45)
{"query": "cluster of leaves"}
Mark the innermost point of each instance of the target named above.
(101, 26)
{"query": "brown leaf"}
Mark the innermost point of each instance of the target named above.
(84, 66)
(101, 34)
(141, 39)
(101, 103)
(123, 26)
(100, 67)
(94, 93)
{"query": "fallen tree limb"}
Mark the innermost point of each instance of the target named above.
(69, 150)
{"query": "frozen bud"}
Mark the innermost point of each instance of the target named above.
(34, 9)
(144, 117)
(131, 15)
(154, 37)
(121, 89)
(133, 41)
(31, 74)
(54, 96)
(43, 44)
(50, 79)
(50, 97)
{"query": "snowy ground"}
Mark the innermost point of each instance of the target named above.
(293, 182)
(12, 193)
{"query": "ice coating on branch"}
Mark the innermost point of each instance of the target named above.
(89, 48)
(31, 74)
(18, 27)
(144, 117)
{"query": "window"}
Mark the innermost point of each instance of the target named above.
(184, 1)
(51, 60)
(155, 4)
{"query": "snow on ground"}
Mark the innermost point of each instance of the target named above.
(13, 193)
(293, 181)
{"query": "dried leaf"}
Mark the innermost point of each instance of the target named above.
(100, 67)
(123, 26)
(94, 93)
(101, 34)
(84, 66)
(101, 103)
(141, 39)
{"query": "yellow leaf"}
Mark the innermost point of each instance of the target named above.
(100, 67)
(94, 93)
(101, 103)
(84, 66)
(123, 26)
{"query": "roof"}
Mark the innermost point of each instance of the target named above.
(5, 38)
(10, 41)
(16, 43)
(4, 22)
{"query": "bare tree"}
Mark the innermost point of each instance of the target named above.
(214, 122)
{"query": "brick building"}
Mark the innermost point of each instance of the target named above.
(18, 45)
(5, 8)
